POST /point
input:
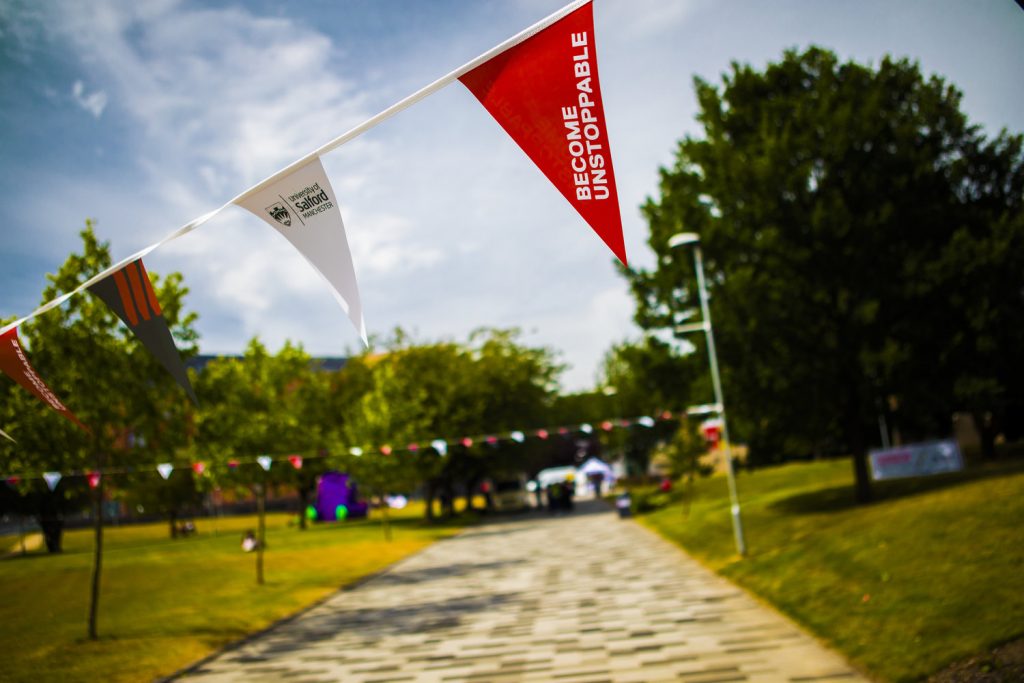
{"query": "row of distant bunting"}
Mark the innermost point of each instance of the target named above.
(439, 446)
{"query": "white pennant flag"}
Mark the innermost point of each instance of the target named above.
(52, 479)
(439, 445)
(165, 469)
(7, 436)
(264, 461)
(518, 437)
(646, 421)
(302, 206)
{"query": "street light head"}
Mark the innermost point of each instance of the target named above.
(681, 238)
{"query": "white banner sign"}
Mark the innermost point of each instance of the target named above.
(915, 460)
(302, 206)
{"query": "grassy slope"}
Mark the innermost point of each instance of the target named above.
(167, 603)
(929, 574)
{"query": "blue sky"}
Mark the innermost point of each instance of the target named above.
(144, 115)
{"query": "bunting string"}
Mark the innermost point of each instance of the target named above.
(440, 446)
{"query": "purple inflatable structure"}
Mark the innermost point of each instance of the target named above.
(337, 498)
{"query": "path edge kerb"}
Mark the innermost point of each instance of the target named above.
(344, 588)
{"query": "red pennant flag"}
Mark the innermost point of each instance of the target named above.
(199, 467)
(93, 478)
(233, 464)
(386, 450)
(545, 93)
(296, 461)
(15, 365)
(607, 425)
(467, 442)
(542, 433)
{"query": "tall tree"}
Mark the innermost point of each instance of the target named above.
(419, 392)
(833, 201)
(113, 384)
(648, 377)
(261, 403)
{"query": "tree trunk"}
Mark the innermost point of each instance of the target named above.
(428, 500)
(261, 534)
(385, 520)
(863, 493)
(986, 433)
(470, 486)
(303, 503)
(447, 500)
(97, 562)
(51, 523)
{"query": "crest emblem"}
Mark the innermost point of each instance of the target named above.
(279, 212)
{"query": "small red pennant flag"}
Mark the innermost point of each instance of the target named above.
(542, 433)
(233, 464)
(199, 467)
(93, 478)
(15, 365)
(607, 425)
(296, 461)
(545, 93)
(467, 442)
(386, 450)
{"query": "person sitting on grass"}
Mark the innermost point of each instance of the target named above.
(249, 541)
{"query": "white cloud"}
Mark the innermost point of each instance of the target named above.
(645, 19)
(94, 103)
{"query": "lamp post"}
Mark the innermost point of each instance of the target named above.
(678, 240)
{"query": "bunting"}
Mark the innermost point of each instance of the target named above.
(129, 294)
(15, 365)
(440, 446)
(541, 86)
(303, 207)
(52, 479)
(545, 93)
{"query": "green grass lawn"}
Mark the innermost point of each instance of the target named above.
(930, 573)
(166, 603)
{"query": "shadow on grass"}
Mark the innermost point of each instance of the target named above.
(841, 498)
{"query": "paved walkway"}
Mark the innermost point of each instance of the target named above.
(580, 598)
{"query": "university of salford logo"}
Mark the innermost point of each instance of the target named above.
(279, 212)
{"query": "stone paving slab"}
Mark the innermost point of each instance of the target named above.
(578, 598)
